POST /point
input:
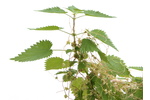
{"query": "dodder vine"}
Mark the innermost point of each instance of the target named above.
(91, 74)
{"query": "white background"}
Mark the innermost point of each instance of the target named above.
(29, 81)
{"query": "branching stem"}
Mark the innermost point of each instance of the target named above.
(81, 16)
(69, 16)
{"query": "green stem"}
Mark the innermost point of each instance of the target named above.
(73, 30)
(65, 32)
(69, 16)
(81, 16)
(80, 33)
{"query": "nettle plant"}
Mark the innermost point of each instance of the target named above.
(90, 73)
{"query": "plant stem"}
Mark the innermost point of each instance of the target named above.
(65, 32)
(74, 34)
(73, 29)
(80, 33)
(69, 16)
(81, 16)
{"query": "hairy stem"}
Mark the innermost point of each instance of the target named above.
(74, 36)
(73, 29)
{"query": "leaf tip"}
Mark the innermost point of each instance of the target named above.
(112, 17)
(30, 28)
(38, 10)
(11, 59)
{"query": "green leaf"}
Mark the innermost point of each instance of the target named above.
(37, 51)
(70, 72)
(79, 95)
(72, 63)
(103, 56)
(82, 67)
(137, 79)
(56, 63)
(117, 66)
(68, 77)
(61, 72)
(74, 9)
(47, 28)
(66, 63)
(100, 87)
(88, 45)
(139, 93)
(53, 10)
(96, 14)
(77, 84)
(102, 36)
(137, 68)
(68, 51)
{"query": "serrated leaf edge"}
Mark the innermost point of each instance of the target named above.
(136, 68)
(122, 63)
(98, 12)
(79, 10)
(113, 46)
(30, 48)
(39, 28)
(64, 12)
(83, 49)
(63, 64)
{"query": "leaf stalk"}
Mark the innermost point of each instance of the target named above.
(65, 32)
